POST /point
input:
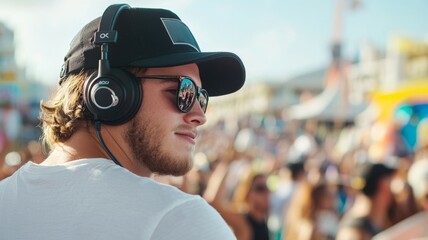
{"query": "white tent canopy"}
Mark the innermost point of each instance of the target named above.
(331, 104)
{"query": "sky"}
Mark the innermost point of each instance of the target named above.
(276, 39)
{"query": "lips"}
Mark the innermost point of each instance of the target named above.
(188, 135)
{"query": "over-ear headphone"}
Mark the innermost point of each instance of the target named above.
(113, 96)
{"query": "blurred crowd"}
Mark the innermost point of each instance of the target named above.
(19, 134)
(276, 179)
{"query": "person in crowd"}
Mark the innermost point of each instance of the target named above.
(369, 213)
(291, 175)
(415, 226)
(248, 210)
(312, 214)
(114, 122)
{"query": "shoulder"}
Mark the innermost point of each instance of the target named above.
(180, 215)
(191, 219)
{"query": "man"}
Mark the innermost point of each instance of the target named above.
(369, 212)
(115, 120)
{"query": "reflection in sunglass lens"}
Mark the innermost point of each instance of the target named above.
(186, 95)
(203, 100)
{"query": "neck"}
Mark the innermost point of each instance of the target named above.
(82, 144)
(85, 144)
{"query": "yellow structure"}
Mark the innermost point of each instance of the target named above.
(411, 89)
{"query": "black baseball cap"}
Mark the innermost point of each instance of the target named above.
(155, 38)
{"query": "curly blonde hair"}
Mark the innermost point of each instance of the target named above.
(65, 111)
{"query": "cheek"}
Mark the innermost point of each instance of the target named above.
(148, 102)
(158, 103)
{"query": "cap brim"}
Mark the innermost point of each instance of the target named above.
(221, 72)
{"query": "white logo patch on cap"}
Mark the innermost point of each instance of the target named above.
(179, 33)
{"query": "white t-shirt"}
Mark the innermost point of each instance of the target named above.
(96, 199)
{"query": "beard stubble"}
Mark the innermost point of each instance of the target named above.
(145, 139)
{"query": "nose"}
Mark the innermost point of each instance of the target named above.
(196, 115)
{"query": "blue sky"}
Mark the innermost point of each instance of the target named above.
(276, 39)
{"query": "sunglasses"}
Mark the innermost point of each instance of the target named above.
(187, 92)
(260, 188)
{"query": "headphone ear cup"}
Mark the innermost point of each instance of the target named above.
(113, 98)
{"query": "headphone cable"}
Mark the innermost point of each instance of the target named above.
(100, 138)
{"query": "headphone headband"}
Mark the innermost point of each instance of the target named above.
(105, 33)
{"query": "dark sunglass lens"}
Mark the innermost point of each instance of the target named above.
(203, 100)
(186, 95)
(261, 188)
